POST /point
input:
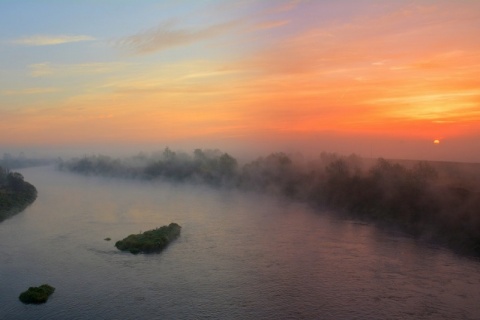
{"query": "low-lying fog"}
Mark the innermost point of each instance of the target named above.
(240, 255)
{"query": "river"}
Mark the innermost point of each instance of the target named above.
(239, 256)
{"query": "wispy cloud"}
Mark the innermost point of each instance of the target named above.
(29, 91)
(49, 40)
(288, 6)
(166, 36)
(45, 69)
(272, 24)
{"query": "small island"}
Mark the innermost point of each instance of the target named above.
(36, 295)
(150, 241)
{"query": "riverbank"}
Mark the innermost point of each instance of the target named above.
(16, 194)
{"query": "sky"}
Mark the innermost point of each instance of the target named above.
(375, 78)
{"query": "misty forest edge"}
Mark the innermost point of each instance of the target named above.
(436, 201)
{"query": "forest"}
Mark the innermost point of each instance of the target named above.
(433, 201)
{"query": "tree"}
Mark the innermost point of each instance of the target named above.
(169, 155)
(15, 181)
(227, 165)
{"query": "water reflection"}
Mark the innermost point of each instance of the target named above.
(239, 257)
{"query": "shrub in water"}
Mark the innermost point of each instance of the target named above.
(37, 294)
(149, 241)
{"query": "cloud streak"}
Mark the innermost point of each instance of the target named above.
(49, 40)
(46, 69)
(28, 91)
(273, 24)
(166, 36)
(288, 6)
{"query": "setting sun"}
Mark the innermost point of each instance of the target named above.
(315, 159)
(341, 76)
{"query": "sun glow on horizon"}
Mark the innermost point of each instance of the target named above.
(399, 70)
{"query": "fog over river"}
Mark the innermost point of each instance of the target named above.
(239, 256)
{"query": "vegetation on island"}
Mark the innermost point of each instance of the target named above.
(37, 295)
(437, 201)
(150, 241)
(15, 193)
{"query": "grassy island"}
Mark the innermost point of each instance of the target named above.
(15, 193)
(150, 241)
(37, 295)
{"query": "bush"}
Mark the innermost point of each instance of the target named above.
(37, 295)
(150, 241)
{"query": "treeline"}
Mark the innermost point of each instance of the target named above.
(438, 201)
(15, 193)
(419, 199)
(21, 161)
(204, 166)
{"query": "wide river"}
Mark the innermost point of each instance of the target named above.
(239, 256)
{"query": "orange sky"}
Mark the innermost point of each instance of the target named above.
(239, 73)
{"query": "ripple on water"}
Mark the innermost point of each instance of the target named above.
(238, 257)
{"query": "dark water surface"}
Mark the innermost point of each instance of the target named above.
(238, 257)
